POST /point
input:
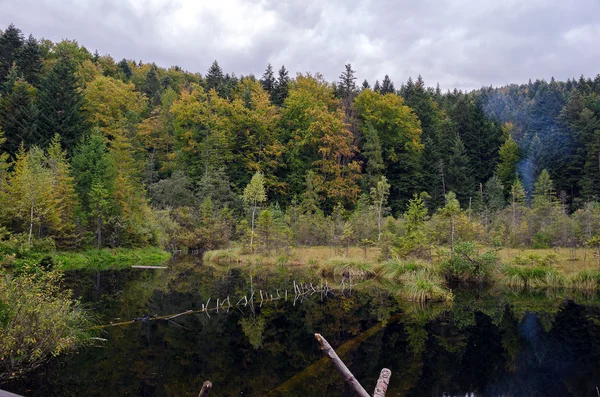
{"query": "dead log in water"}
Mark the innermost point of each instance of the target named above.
(382, 382)
(206, 388)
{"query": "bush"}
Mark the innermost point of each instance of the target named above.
(466, 263)
(38, 321)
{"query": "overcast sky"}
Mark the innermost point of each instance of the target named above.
(461, 44)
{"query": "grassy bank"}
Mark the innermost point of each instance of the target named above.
(102, 259)
(427, 280)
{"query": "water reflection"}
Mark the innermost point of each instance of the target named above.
(488, 342)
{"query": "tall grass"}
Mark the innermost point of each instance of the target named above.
(424, 285)
(532, 276)
(349, 268)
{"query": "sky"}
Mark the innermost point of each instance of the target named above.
(464, 44)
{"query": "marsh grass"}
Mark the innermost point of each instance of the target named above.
(349, 268)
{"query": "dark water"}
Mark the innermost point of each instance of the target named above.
(486, 343)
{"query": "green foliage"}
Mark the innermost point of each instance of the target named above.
(468, 264)
(38, 321)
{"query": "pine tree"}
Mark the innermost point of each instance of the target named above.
(347, 85)
(125, 68)
(377, 87)
(94, 172)
(19, 117)
(509, 158)
(30, 61)
(60, 104)
(387, 87)
(458, 172)
(268, 81)
(215, 80)
(494, 195)
(281, 88)
(371, 151)
(152, 85)
(365, 85)
(11, 42)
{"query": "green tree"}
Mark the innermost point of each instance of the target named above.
(414, 241)
(19, 117)
(11, 42)
(347, 236)
(30, 61)
(450, 211)
(268, 81)
(254, 195)
(509, 158)
(60, 104)
(214, 79)
(281, 88)
(31, 191)
(459, 173)
(379, 197)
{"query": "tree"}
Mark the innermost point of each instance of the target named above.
(19, 116)
(31, 191)
(399, 132)
(371, 151)
(113, 106)
(387, 87)
(125, 69)
(347, 236)
(60, 105)
(509, 158)
(215, 80)
(255, 194)
(94, 172)
(281, 88)
(379, 197)
(11, 42)
(450, 211)
(458, 173)
(152, 85)
(414, 240)
(64, 192)
(268, 81)
(494, 195)
(30, 61)
(365, 85)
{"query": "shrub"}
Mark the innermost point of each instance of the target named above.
(38, 321)
(466, 263)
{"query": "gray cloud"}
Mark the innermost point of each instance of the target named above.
(461, 44)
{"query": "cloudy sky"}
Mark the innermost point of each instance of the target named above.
(458, 43)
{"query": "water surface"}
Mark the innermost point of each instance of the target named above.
(486, 343)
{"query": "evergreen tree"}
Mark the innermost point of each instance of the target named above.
(365, 85)
(281, 88)
(214, 79)
(30, 61)
(509, 158)
(64, 191)
(11, 43)
(494, 195)
(458, 172)
(94, 172)
(371, 151)
(152, 85)
(379, 197)
(60, 105)
(125, 68)
(19, 117)
(268, 81)
(377, 87)
(387, 87)
(347, 85)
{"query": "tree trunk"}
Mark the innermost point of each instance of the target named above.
(452, 233)
(30, 225)
(252, 231)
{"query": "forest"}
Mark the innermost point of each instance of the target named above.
(98, 153)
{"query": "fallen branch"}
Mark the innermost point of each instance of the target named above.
(341, 367)
(382, 383)
(206, 388)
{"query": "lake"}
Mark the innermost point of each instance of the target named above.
(488, 342)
